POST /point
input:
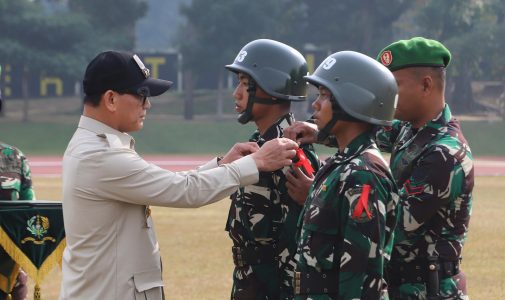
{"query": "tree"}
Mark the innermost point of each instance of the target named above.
(113, 22)
(216, 30)
(63, 42)
(474, 32)
(35, 41)
(360, 25)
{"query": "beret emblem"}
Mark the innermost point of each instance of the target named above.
(386, 58)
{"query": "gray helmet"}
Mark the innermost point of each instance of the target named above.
(362, 87)
(276, 67)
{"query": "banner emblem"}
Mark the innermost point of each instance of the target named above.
(38, 226)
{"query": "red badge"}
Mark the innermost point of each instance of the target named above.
(301, 161)
(386, 58)
(362, 204)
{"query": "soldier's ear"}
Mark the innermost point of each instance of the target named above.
(427, 84)
(110, 100)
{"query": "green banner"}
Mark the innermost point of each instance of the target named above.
(32, 234)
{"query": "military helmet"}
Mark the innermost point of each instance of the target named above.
(361, 86)
(276, 67)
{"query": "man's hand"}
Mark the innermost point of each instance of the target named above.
(302, 132)
(298, 184)
(275, 154)
(239, 150)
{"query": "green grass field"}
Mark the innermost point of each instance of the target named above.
(194, 245)
(196, 250)
(53, 121)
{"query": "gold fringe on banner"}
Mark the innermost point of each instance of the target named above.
(20, 258)
(36, 292)
(7, 283)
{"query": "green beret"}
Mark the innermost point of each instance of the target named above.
(416, 52)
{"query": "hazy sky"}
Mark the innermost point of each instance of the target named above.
(157, 30)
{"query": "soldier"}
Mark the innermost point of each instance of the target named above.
(345, 232)
(262, 218)
(15, 184)
(432, 163)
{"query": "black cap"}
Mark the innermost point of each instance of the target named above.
(121, 72)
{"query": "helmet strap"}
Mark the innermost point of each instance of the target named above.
(324, 133)
(338, 115)
(246, 116)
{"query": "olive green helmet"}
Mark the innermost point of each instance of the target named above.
(276, 67)
(362, 87)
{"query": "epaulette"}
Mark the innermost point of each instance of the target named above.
(113, 140)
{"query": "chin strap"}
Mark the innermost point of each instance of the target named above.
(246, 116)
(338, 115)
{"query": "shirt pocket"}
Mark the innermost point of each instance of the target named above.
(257, 212)
(320, 235)
(148, 285)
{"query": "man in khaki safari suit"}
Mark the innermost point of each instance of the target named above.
(112, 251)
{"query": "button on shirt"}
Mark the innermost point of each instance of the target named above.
(112, 251)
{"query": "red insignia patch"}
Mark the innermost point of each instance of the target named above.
(386, 58)
(362, 204)
(412, 190)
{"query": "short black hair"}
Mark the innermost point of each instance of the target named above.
(93, 100)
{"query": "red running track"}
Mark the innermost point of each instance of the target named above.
(50, 166)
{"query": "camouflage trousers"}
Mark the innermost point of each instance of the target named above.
(259, 282)
(452, 288)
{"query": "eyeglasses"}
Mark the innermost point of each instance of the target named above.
(142, 99)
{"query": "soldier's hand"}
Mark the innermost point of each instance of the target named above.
(239, 150)
(275, 154)
(298, 184)
(302, 132)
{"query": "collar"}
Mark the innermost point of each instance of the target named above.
(103, 130)
(441, 120)
(433, 127)
(274, 131)
(355, 147)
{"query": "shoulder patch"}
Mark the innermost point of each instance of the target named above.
(361, 206)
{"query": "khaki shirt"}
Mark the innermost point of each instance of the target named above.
(112, 251)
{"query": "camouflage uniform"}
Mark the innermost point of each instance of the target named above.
(346, 227)
(262, 224)
(15, 184)
(433, 168)
(15, 175)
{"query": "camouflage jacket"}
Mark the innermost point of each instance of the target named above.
(346, 227)
(264, 214)
(15, 184)
(15, 175)
(434, 169)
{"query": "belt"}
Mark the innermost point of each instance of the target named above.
(417, 271)
(246, 256)
(325, 282)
